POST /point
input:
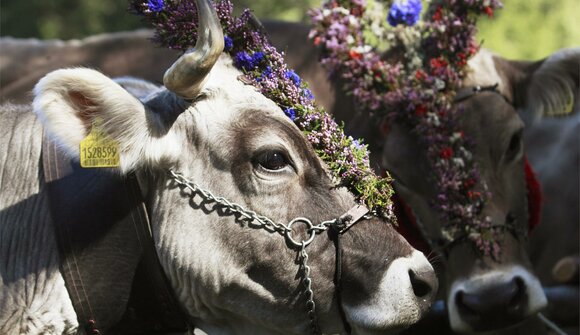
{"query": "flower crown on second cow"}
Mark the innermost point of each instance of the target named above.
(399, 68)
(176, 23)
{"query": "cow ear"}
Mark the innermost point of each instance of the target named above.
(69, 102)
(547, 88)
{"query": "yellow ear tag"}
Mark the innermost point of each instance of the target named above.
(97, 150)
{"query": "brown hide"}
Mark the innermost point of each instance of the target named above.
(24, 61)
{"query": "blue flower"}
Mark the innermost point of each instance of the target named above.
(291, 113)
(289, 74)
(405, 12)
(266, 73)
(307, 94)
(257, 58)
(243, 60)
(155, 5)
(228, 43)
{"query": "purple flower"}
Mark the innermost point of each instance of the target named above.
(290, 112)
(155, 5)
(307, 94)
(228, 43)
(289, 74)
(405, 12)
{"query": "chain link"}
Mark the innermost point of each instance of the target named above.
(307, 282)
(271, 226)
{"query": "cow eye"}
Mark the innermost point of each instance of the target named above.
(272, 160)
(515, 146)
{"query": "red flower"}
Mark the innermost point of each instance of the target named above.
(354, 55)
(317, 41)
(468, 183)
(437, 63)
(462, 59)
(421, 110)
(437, 16)
(420, 75)
(473, 194)
(489, 11)
(446, 153)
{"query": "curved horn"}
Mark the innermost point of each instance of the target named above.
(187, 75)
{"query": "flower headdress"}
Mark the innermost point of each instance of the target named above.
(415, 84)
(176, 22)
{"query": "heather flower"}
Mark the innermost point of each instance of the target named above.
(416, 89)
(405, 12)
(265, 68)
(155, 5)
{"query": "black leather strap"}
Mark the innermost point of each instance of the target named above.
(335, 231)
(108, 259)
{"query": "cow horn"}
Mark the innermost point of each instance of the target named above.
(187, 75)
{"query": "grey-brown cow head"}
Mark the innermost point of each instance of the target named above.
(483, 294)
(230, 277)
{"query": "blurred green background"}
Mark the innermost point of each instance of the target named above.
(524, 29)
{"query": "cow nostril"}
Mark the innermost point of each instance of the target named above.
(421, 287)
(459, 301)
(519, 294)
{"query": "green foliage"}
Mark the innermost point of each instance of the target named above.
(64, 19)
(524, 29)
(532, 29)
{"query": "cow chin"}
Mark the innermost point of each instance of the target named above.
(397, 303)
(494, 300)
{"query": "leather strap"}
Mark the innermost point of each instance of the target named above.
(108, 259)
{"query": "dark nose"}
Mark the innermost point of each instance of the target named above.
(424, 284)
(501, 304)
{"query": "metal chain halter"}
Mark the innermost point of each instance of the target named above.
(340, 225)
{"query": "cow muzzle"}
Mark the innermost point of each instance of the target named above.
(404, 295)
(494, 300)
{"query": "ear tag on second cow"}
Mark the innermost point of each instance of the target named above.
(97, 150)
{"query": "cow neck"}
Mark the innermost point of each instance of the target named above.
(108, 259)
(410, 228)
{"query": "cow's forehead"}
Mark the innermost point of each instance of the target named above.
(483, 72)
(225, 84)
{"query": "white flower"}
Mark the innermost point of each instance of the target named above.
(459, 162)
(361, 49)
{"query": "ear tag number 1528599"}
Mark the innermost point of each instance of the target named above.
(97, 150)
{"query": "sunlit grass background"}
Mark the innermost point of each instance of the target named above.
(524, 29)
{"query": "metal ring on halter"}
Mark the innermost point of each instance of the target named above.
(310, 229)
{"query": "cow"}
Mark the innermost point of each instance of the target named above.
(482, 295)
(228, 276)
(302, 56)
